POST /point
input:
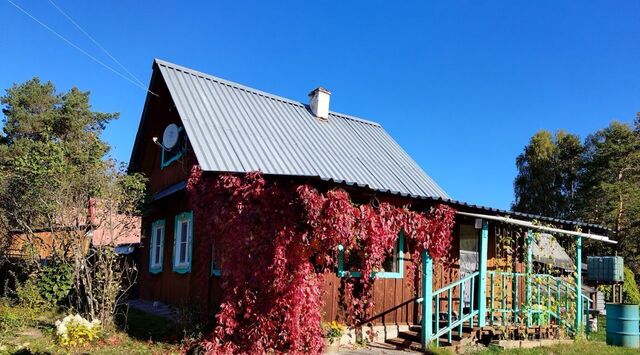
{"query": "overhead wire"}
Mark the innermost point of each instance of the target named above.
(94, 41)
(80, 49)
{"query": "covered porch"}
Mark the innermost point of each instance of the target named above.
(523, 283)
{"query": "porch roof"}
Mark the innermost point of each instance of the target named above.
(547, 250)
(474, 208)
(530, 225)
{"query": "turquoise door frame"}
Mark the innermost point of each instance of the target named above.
(529, 274)
(482, 292)
(427, 288)
(427, 298)
(579, 284)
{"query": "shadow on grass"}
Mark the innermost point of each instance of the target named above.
(143, 326)
(29, 352)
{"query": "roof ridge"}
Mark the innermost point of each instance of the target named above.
(239, 86)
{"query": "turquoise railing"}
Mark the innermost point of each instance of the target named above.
(547, 299)
(453, 322)
(513, 300)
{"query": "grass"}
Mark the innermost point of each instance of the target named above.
(25, 331)
(593, 345)
(146, 327)
(579, 347)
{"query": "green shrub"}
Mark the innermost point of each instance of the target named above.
(630, 292)
(54, 282)
(29, 295)
(11, 319)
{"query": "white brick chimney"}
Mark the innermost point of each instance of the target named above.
(319, 102)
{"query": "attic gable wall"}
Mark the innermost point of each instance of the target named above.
(159, 112)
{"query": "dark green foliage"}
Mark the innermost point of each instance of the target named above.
(630, 292)
(610, 186)
(596, 182)
(51, 156)
(54, 282)
(53, 167)
(548, 175)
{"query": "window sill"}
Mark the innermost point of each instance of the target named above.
(182, 269)
(380, 275)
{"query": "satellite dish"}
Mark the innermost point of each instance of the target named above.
(170, 136)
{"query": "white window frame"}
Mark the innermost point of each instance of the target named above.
(156, 248)
(178, 244)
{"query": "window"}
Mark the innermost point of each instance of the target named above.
(215, 261)
(469, 237)
(182, 242)
(156, 246)
(173, 154)
(392, 267)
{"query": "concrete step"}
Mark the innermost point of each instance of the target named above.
(405, 343)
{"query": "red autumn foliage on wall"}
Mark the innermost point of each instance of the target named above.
(278, 238)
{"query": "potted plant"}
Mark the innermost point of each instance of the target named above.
(333, 331)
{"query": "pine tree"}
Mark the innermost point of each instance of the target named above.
(610, 186)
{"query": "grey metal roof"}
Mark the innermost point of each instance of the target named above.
(547, 250)
(234, 128)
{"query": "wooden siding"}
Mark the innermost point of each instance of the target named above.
(166, 286)
(160, 112)
(394, 299)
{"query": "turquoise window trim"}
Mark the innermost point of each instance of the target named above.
(383, 274)
(214, 271)
(341, 272)
(400, 273)
(164, 164)
(185, 267)
(155, 269)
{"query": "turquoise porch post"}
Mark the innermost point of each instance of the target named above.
(482, 291)
(529, 274)
(579, 284)
(427, 299)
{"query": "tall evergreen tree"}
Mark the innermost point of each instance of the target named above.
(610, 186)
(51, 152)
(53, 166)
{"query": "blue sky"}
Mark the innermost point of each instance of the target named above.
(461, 85)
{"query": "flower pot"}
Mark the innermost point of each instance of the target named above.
(331, 347)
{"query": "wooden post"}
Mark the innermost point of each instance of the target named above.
(529, 274)
(427, 298)
(482, 288)
(579, 284)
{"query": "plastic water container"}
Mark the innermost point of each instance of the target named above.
(606, 269)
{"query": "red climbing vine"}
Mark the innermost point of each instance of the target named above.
(278, 238)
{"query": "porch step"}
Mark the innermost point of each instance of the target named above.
(410, 339)
(405, 343)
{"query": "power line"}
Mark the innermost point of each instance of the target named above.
(80, 49)
(94, 41)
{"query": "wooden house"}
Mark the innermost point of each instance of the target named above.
(224, 127)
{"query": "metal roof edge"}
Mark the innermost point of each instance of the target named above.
(236, 85)
(521, 214)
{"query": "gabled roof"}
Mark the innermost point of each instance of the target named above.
(234, 128)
